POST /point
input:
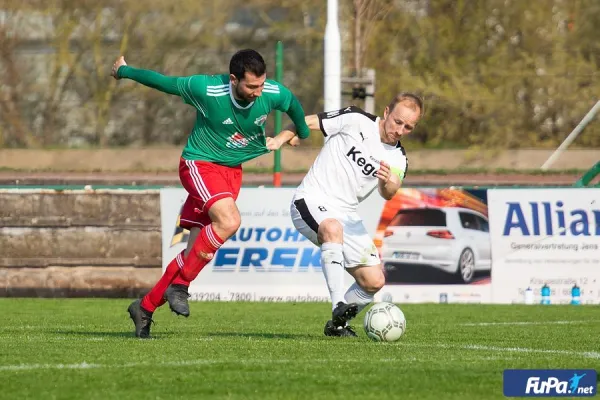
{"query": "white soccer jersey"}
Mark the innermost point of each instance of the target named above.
(344, 172)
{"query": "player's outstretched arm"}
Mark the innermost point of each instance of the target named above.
(296, 114)
(166, 84)
(389, 182)
(312, 121)
(294, 141)
(285, 136)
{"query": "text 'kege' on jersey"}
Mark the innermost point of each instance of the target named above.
(344, 171)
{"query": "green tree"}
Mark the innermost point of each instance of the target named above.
(495, 73)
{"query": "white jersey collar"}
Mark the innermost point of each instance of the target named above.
(234, 101)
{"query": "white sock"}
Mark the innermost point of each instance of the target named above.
(356, 294)
(332, 263)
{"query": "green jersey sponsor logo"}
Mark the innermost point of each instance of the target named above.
(237, 140)
(260, 120)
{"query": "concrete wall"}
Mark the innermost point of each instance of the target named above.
(79, 243)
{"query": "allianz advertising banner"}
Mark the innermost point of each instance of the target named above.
(545, 239)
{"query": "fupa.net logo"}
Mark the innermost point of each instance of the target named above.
(550, 382)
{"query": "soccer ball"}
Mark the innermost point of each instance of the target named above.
(385, 322)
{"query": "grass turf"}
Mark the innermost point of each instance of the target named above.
(84, 348)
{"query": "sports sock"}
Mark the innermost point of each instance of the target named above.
(180, 280)
(356, 294)
(155, 297)
(332, 264)
(202, 252)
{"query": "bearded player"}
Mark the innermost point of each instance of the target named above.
(231, 110)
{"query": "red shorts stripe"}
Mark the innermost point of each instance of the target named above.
(206, 183)
(196, 180)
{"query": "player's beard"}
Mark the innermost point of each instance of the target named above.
(240, 96)
(392, 139)
(389, 138)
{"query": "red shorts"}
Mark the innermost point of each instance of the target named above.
(206, 183)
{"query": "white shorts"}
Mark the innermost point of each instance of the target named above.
(308, 212)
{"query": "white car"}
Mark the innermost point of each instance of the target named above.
(455, 240)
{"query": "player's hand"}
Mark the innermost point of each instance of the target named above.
(384, 172)
(273, 144)
(294, 142)
(118, 64)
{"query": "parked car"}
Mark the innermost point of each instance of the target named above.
(455, 240)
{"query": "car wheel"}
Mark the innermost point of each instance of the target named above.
(466, 266)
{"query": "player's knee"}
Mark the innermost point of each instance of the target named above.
(374, 282)
(225, 217)
(230, 224)
(226, 224)
(330, 230)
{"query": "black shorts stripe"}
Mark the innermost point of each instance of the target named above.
(305, 215)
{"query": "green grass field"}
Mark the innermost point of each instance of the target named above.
(85, 349)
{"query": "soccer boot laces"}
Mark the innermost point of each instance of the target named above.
(177, 297)
(343, 313)
(141, 318)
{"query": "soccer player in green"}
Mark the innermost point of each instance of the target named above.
(231, 111)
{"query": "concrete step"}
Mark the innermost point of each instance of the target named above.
(44, 262)
(81, 242)
(77, 282)
(65, 222)
(80, 208)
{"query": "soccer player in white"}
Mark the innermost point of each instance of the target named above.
(361, 152)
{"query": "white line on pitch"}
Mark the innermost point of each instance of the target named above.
(85, 365)
(584, 354)
(527, 323)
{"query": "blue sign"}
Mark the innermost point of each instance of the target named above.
(550, 382)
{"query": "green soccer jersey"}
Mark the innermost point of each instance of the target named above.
(227, 131)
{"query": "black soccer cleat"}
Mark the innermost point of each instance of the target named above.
(177, 296)
(343, 313)
(141, 319)
(339, 331)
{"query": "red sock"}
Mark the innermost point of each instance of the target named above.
(180, 280)
(155, 297)
(203, 251)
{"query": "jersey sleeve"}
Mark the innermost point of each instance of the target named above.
(399, 165)
(282, 96)
(192, 90)
(286, 101)
(333, 122)
(152, 79)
